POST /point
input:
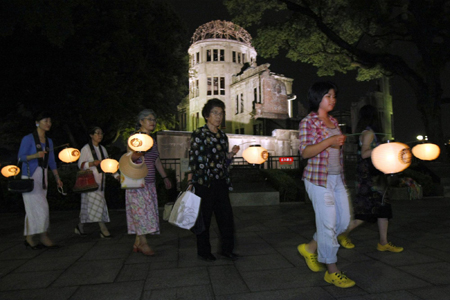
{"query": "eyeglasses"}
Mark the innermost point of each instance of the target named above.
(150, 119)
(218, 114)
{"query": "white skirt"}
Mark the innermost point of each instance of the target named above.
(37, 218)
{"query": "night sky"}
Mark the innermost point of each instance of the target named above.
(407, 119)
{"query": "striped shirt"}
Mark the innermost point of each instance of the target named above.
(313, 131)
(150, 158)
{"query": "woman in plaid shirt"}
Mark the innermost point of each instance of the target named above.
(321, 143)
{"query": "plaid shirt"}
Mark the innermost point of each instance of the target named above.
(313, 131)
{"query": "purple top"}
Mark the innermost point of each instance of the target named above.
(150, 158)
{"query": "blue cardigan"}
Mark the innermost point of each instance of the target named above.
(28, 147)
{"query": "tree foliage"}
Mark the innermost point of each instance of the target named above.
(89, 63)
(406, 38)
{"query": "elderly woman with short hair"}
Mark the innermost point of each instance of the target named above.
(209, 162)
(142, 204)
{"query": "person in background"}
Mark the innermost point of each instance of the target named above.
(209, 162)
(142, 204)
(36, 153)
(371, 203)
(321, 143)
(93, 204)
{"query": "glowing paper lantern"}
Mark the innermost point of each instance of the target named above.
(391, 157)
(69, 155)
(109, 165)
(140, 142)
(255, 154)
(426, 151)
(10, 170)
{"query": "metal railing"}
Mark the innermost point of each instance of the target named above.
(273, 162)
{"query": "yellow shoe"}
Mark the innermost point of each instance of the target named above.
(389, 247)
(345, 241)
(339, 280)
(310, 258)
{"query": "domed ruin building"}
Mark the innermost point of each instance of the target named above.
(223, 65)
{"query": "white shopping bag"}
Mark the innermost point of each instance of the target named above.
(185, 210)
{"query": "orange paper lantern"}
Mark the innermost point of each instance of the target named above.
(255, 154)
(140, 142)
(392, 157)
(426, 151)
(10, 170)
(109, 165)
(69, 155)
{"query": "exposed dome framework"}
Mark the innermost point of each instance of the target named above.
(222, 30)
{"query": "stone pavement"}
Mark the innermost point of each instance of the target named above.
(267, 237)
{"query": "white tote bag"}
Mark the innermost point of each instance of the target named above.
(185, 210)
(130, 183)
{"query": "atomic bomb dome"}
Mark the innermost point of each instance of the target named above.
(222, 64)
(222, 30)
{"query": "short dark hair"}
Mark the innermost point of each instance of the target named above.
(317, 91)
(210, 104)
(42, 115)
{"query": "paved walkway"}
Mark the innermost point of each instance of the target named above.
(92, 268)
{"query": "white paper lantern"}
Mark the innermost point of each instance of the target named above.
(69, 155)
(392, 157)
(109, 165)
(426, 151)
(255, 154)
(10, 170)
(140, 142)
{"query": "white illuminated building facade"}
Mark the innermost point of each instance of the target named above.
(223, 65)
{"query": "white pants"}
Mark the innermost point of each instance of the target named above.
(332, 210)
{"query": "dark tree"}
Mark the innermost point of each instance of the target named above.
(405, 38)
(89, 62)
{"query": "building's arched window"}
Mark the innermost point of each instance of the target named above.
(242, 103)
(237, 104)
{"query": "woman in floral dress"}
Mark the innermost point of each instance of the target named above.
(142, 204)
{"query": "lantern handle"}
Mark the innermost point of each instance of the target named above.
(254, 141)
(60, 146)
(376, 133)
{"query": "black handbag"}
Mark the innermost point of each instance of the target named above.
(17, 185)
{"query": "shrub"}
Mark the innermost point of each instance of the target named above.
(285, 182)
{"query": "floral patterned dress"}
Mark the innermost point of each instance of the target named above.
(371, 201)
(142, 204)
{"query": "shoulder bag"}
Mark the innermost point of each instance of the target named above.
(85, 182)
(25, 185)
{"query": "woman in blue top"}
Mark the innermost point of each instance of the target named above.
(36, 153)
